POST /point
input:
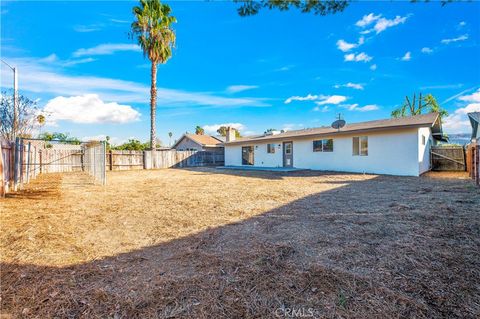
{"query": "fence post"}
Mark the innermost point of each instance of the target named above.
(15, 164)
(2, 174)
(111, 160)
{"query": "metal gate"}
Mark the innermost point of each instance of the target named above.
(32, 157)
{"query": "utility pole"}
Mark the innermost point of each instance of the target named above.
(15, 100)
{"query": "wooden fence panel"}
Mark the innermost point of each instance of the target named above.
(448, 158)
(124, 160)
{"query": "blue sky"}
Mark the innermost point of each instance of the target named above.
(282, 70)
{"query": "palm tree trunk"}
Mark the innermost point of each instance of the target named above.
(153, 106)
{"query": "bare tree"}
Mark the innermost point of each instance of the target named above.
(27, 116)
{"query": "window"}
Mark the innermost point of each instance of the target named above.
(360, 145)
(423, 139)
(288, 148)
(270, 148)
(323, 145)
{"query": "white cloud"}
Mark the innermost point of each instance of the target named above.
(367, 20)
(240, 88)
(373, 67)
(88, 109)
(381, 23)
(79, 61)
(407, 56)
(87, 28)
(284, 68)
(441, 86)
(292, 126)
(49, 78)
(321, 109)
(55, 60)
(107, 49)
(462, 24)
(355, 86)
(459, 38)
(319, 99)
(474, 97)
(332, 99)
(427, 50)
(344, 46)
(309, 97)
(119, 21)
(360, 57)
(212, 129)
(366, 108)
(458, 121)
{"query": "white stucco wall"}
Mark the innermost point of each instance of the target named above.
(424, 150)
(392, 152)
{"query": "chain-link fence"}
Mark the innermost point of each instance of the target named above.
(25, 159)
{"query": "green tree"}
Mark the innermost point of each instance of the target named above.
(426, 104)
(317, 7)
(199, 130)
(222, 130)
(154, 33)
(269, 130)
(132, 145)
(41, 121)
(61, 137)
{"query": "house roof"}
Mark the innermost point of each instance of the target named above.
(203, 140)
(475, 121)
(423, 120)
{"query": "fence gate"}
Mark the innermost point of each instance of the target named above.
(451, 158)
(32, 157)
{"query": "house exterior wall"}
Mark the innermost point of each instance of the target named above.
(394, 152)
(187, 144)
(424, 150)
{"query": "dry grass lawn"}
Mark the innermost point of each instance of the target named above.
(205, 243)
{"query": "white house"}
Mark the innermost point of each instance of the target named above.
(392, 146)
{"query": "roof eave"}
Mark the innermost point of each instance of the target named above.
(277, 138)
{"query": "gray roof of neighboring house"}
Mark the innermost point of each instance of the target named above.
(423, 120)
(475, 121)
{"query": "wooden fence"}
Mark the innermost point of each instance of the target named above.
(35, 158)
(451, 158)
(473, 162)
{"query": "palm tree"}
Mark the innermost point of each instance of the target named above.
(156, 37)
(170, 138)
(41, 122)
(199, 130)
(428, 103)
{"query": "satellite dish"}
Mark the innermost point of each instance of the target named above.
(338, 124)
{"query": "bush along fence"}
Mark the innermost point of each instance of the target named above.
(23, 160)
(473, 162)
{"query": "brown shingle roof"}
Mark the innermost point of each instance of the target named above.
(423, 120)
(204, 140)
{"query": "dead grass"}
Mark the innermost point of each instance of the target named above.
(204, 243)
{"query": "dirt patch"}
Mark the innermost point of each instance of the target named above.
(208, 243)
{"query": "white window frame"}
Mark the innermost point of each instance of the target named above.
(359, 141)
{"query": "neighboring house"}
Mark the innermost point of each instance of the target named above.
(398, 146)
(194, 142)
(475, 121)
